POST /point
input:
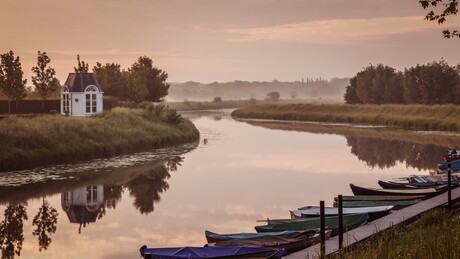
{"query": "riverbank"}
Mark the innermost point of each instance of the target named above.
(51, 139)
(413, 117)
(435, 235)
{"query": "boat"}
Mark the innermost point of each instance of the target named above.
(410, 186)
(357, 190)
(349, 222)
(397, 204)
(212, 237)
(452, 155)
(211, 252)
(379, 197)
(314, 211)
(291, 242)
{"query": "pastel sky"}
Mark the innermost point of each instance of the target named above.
(226, 40)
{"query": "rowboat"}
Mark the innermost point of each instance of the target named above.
(397, 204)
(211, 252)
(379, 197)
(212, 237)
(314, 211)
(349, 222)
(409, 186)
(452, 154)
(291, 242)
(357, 190)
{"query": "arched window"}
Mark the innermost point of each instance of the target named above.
(91, 100)
(65, 99)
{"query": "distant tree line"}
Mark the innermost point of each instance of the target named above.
(141, 82)
(432, 83)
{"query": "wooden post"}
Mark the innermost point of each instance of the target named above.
(322, 228)
(340, 222)
(449, 193)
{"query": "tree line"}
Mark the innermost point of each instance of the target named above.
(141, 82)
(432, 83)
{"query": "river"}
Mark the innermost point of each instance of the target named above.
(239, 172)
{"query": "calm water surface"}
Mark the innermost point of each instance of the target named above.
(241, 173)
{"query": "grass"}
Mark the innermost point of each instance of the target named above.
(435, 235)
(414, 117)
(50, 139)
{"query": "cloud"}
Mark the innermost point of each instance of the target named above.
(335, 31)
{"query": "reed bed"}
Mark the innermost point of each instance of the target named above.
(50, 139)
(435, 235)
(415, 117)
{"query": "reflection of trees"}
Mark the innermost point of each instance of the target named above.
(146, 188)
(173, 163)
(45, 221)
(11, 230)
(384, 153)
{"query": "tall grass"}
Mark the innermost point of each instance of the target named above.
(52, 139)
(416, 117)
(435, 235)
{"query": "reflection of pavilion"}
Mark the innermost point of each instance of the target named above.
(83, 205)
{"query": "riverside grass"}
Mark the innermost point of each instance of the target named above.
(51, 139)
(435, 235)
(414, 117)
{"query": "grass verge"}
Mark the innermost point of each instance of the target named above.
(50, 139)
(435, 235)
(415, 117)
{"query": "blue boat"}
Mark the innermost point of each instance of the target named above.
(211, 252)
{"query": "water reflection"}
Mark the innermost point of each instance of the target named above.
(381, 147)
(46, 224)
(12, 230)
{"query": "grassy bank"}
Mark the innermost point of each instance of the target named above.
(50, 139)
(435, 235)
(416, 117)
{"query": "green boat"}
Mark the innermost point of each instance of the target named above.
(349, 222)
(397, 204)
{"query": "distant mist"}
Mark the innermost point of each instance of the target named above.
(243, 90)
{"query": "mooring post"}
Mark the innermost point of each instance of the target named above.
(340, 221)
(322, 228)
(449, 193)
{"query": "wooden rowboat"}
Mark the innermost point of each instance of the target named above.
(380, 197)
(410, 186)
(357, 190)
(314, 211)
(291, 242)
(349, 221)
(397, 204)
(212, 237)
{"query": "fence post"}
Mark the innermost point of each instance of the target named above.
(340, 214)
(449, 193)
(322, 228)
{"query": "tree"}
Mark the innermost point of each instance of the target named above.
(350, 93)
(44, 79)
(81, 67)
(449, 7)
(147, 82)
(217, 99)
(11, 82)
(273, 96)
(112, 80)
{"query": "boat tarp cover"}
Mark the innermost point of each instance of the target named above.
(205, 252)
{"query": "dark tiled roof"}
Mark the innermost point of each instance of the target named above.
(77, 82)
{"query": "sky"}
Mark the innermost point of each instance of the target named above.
(227, 40)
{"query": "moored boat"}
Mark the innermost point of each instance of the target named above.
(314, 211)
(397, 204)
(349, 221)
(409, 186)
(379, 197)
(291, 242)
(211, 252)
(212, 237)
(357, 190)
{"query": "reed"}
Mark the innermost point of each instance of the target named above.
(435, 235)
(50, 139)
(414, 117)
